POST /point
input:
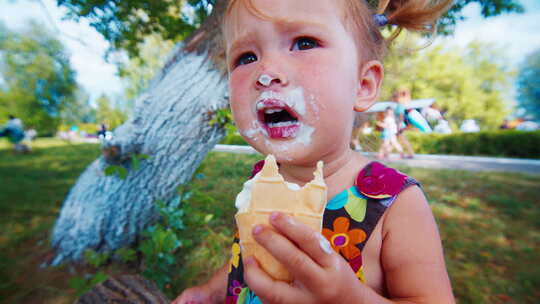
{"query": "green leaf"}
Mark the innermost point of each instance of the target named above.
(175, 202)
(135, 163)
(98, 278)
(208, 218)
(143, 156)
(126, 254)
(96, 259)
(77, 283)
(122, 172)
(110, 170)
(187, 196)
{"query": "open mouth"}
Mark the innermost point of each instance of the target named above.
(278, 119)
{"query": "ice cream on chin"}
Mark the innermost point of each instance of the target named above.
(268, 192)
(283, 125)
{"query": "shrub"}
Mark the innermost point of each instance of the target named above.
(504, 143)
(500, 143)
(233, 139)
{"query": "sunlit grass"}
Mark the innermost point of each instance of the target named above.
(489, 224)
(32, 188)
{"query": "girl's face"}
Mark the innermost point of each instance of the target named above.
(294, 78)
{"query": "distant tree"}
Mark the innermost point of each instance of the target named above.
(38, 78)
(469, 83)
(138, 71)
(78, 111)
(109, 114)
(528, 83)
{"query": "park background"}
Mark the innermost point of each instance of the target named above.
(55, 76)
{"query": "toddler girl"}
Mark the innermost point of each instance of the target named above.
(297, 72)
(389, 134)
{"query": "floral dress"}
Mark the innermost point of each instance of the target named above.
(348, 221)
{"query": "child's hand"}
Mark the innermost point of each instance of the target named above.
(321, 275)
(194, 295)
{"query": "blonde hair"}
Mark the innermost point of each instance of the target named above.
(412, 15)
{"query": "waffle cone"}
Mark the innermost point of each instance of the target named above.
(270, 193)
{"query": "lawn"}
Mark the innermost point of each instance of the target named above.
(489, 222)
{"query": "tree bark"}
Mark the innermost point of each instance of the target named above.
(171, 124)
(124, 289)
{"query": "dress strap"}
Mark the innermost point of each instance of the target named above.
(380, 186)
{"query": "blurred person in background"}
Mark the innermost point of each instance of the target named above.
(14, 131)
(388, 135)
(402, 97)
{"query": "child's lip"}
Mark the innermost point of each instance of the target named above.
(283, 132)
(276, 131)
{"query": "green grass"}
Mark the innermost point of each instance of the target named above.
(32, 188)
(489, 223)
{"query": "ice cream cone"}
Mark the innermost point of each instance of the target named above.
(271, 193)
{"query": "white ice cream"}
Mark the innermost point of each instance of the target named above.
(265, 80)
(294, 99)
(244, 197)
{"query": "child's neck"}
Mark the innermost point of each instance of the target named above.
(339, 172)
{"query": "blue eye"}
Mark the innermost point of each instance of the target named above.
(304, 43)
(246, 58)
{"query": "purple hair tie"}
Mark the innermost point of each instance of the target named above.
(380, 19)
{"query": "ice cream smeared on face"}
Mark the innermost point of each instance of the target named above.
(255, 128)
(265, 80)
(280, 114)
(294, 99)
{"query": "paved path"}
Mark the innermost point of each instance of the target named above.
(472, 163)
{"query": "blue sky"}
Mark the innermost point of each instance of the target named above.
(517, 34)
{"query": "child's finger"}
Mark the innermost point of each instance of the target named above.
(266, 288)
(299, 263)
(312, 243)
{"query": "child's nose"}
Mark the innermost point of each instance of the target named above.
(267, 79)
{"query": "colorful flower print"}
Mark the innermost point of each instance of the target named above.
(344, 240)
(356, 205)
(235, 256)
(338, 201)
(360, 274)
(235, 289)
(231, 300)
(378, 181)
(357, 267)
(248, 297)
(341, 199)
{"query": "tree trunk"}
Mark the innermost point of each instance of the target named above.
(171, 124)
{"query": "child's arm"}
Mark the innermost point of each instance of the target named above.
(411, 256)
(212, 291)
